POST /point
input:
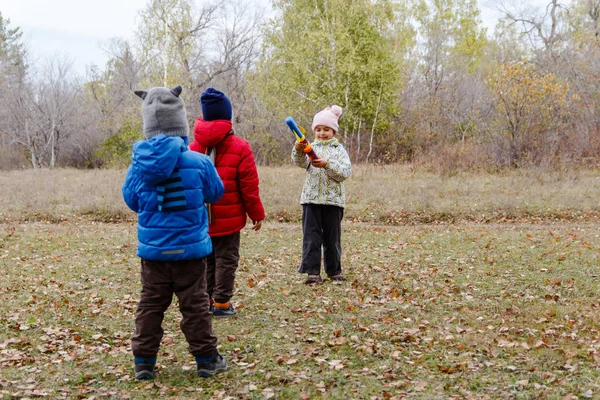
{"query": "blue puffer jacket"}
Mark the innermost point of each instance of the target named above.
(181, 234)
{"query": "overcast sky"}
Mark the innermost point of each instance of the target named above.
(70, 28)
(75, 28)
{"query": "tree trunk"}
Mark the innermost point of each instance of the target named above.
(373, 126)
(30, 146)
(52, 148)
(358, 140)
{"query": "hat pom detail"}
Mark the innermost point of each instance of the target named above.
(336, 110)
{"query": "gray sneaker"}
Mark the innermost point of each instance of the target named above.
(210, 368)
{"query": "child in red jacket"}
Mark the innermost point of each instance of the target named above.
(233, 159)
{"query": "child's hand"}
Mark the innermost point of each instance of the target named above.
(319, 163)
(256, 225)
(300, 147)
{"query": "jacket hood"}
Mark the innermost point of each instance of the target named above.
(157, 157)
(210, 133)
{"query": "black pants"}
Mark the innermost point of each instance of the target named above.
(160, 279)
(222, 264)
(321, 228)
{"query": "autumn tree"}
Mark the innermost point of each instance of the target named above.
(444, 95)
(531, 106)
(323, 52)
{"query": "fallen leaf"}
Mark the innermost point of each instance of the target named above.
(268, 393)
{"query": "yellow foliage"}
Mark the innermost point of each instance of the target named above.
(529, 101)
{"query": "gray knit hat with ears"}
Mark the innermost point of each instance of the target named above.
(163, 111)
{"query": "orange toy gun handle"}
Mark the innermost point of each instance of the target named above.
(300, 138)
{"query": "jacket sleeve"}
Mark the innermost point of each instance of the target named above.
(338, 166)
(300, 159)
(212, 188)
(248, 184)
(130, 189)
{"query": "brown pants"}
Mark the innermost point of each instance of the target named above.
(222, 264)
(160, 280)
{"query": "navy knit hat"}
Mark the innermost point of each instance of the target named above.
(215, 105)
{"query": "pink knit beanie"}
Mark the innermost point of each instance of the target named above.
(328, 117)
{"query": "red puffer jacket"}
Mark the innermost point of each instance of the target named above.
(237, 169)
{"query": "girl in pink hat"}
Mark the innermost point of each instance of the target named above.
(323, 198)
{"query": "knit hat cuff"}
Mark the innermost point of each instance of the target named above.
(171, 132)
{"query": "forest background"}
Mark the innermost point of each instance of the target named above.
(420, 81)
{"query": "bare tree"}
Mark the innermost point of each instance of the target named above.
(56, 101)
(237, 40)
(42, 112)
(108, 93)
(593, 11)
(546, 28)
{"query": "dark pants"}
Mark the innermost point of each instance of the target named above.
(321, 228)
(222, 264)
(160, 279)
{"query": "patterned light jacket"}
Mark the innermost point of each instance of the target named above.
(325, 185)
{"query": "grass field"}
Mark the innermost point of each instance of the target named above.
(469, 287)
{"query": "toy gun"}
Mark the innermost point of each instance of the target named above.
(300, 138)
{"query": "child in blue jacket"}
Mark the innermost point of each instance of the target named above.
(168, 186)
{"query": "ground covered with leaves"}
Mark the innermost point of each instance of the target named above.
(456, 311)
